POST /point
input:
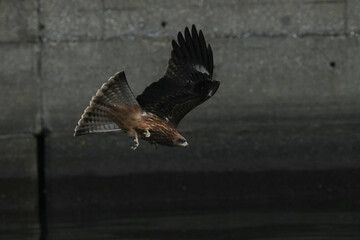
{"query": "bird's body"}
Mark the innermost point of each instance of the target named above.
(154, 115)
(140, 124)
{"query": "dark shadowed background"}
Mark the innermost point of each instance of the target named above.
(282, 134)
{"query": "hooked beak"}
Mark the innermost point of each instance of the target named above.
(184, 144)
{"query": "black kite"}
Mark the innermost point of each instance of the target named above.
(154, 115)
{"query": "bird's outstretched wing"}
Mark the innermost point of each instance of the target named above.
(187, 82)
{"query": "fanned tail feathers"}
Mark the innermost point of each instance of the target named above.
(96, 117)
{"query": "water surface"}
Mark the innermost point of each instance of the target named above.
(197, 225)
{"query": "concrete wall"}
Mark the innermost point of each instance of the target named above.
(289, 97)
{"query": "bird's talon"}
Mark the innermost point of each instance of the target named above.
(147, 133)
(136, 143)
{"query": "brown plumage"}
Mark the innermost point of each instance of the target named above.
(154, 115)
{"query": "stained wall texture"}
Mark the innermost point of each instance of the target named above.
(288, 100)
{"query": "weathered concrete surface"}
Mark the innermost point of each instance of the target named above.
(19, 105)
(73, 69)
(18, 21)
(109, 19)
(353, 16)
(20, 88)
(18, 157)
(266, 79)
(71, 19)
(242, 17)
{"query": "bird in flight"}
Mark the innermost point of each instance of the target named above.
(155, 114)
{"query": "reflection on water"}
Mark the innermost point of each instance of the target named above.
(202, 225)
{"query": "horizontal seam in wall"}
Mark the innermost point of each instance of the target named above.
(210, 36)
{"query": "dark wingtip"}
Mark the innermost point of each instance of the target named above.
(187, 29)
(187, 35)
(183, 46)
(191, 46)
(193, 28)
(211, 58)
(173, 43)
(176, 48)
(179, 35)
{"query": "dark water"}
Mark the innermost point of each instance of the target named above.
(195, 225)
(232, 205)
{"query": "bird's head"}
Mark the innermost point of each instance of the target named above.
(180, 141)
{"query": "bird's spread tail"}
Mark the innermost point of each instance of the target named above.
(96, 117)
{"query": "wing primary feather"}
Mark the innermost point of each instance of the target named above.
(177, 49)
(211, 59)
(183, 47)
(203, 49)
(195, 38)
(190, 44)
